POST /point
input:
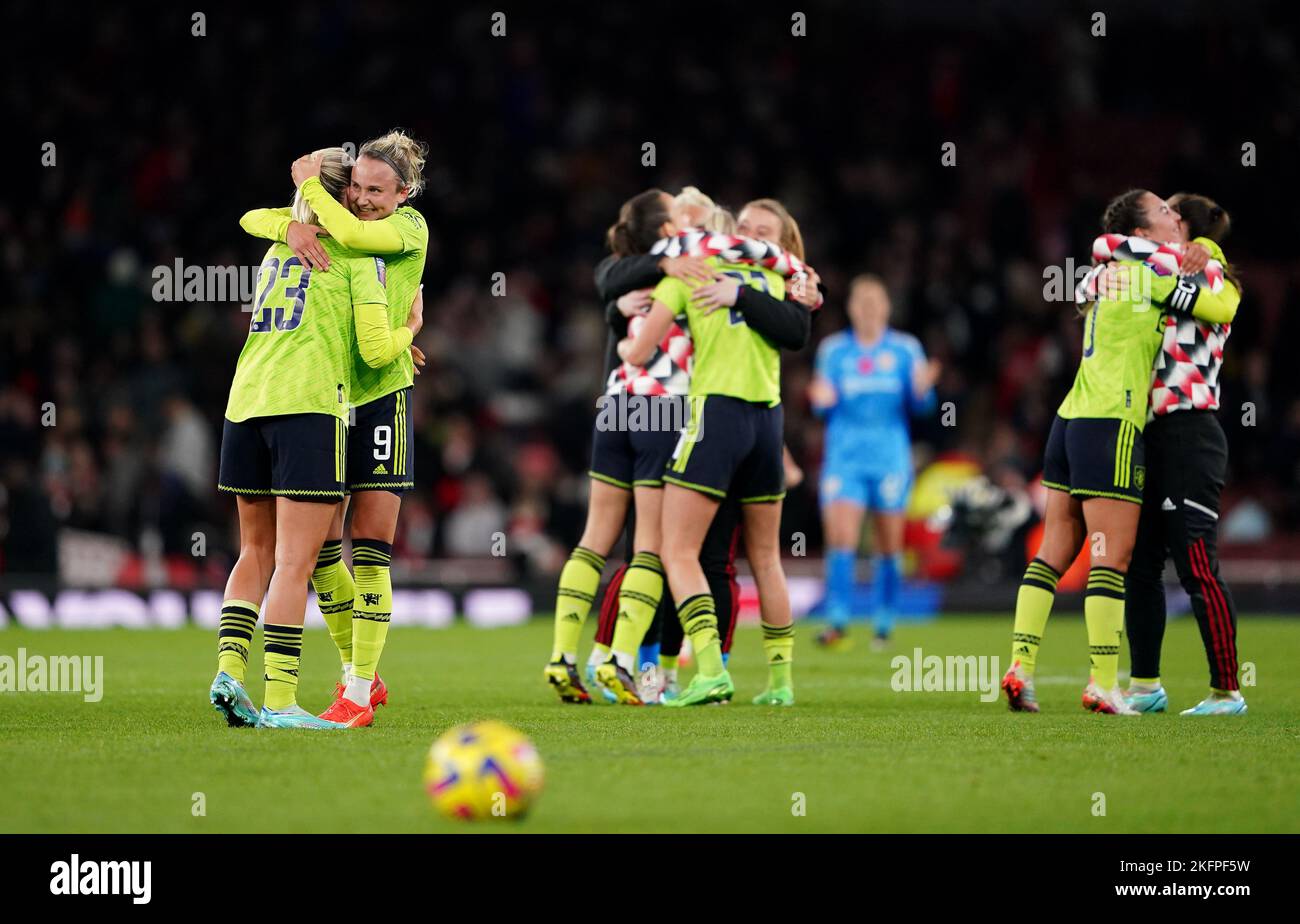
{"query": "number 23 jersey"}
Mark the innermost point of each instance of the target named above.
(301, 339)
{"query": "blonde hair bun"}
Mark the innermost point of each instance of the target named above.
(404, 154)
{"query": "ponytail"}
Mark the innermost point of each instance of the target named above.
(639, 223)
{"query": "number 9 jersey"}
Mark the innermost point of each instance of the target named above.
(285, 432)
(299, 352)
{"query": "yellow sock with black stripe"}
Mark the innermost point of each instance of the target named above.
(579, 581)
(699, 618)
(372, 607)
(778, 645)
(235, 637)
(281, 656)
(1033, 606)
(638, 598)
(334, 592)
(1103, 611)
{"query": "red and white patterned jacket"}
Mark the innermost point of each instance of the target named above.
(1186, 372)
(667, 373)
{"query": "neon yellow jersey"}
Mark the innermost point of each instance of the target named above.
(403, 273)
(302, 337)
(1120, 342)
(401, 239)
(729, 359)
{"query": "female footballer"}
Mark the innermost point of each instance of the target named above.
(869, 381)
(1094, 465)
(1187, 461)
(733, 444)
(284, 447)
(377, 220)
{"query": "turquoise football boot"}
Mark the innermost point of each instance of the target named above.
(1156, 700)
(594, 682)
(228, 697)
(295, 717)
(1218, 705)
(670, 691)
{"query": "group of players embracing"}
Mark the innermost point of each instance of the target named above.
(700, 303)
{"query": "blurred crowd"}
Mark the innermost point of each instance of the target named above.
(111, 401)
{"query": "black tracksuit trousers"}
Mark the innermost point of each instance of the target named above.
(1186, 461)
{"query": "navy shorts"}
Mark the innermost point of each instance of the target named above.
(731, 447)
(378, 455)
(634, 438)
(1095, 457)
(299, 456)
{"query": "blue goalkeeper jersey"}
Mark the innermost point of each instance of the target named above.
(867, 429)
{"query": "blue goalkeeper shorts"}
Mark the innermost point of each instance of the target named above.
(883, 492)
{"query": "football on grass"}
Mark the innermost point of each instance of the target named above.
(482, 771)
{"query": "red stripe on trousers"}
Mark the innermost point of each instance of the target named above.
(1200, 571)
(609, 609)
(1227, 641)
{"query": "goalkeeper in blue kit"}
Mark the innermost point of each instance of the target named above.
(869, 381)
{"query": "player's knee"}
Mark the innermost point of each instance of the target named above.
(1189, 576)
(837, 534)
(375, 533)
(672, 556)
(678, 561)
(889, 546)
(764, 561)
(295, 562)
(1191, 584)
(770, 579)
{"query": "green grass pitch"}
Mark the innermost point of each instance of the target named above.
(864, 757)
